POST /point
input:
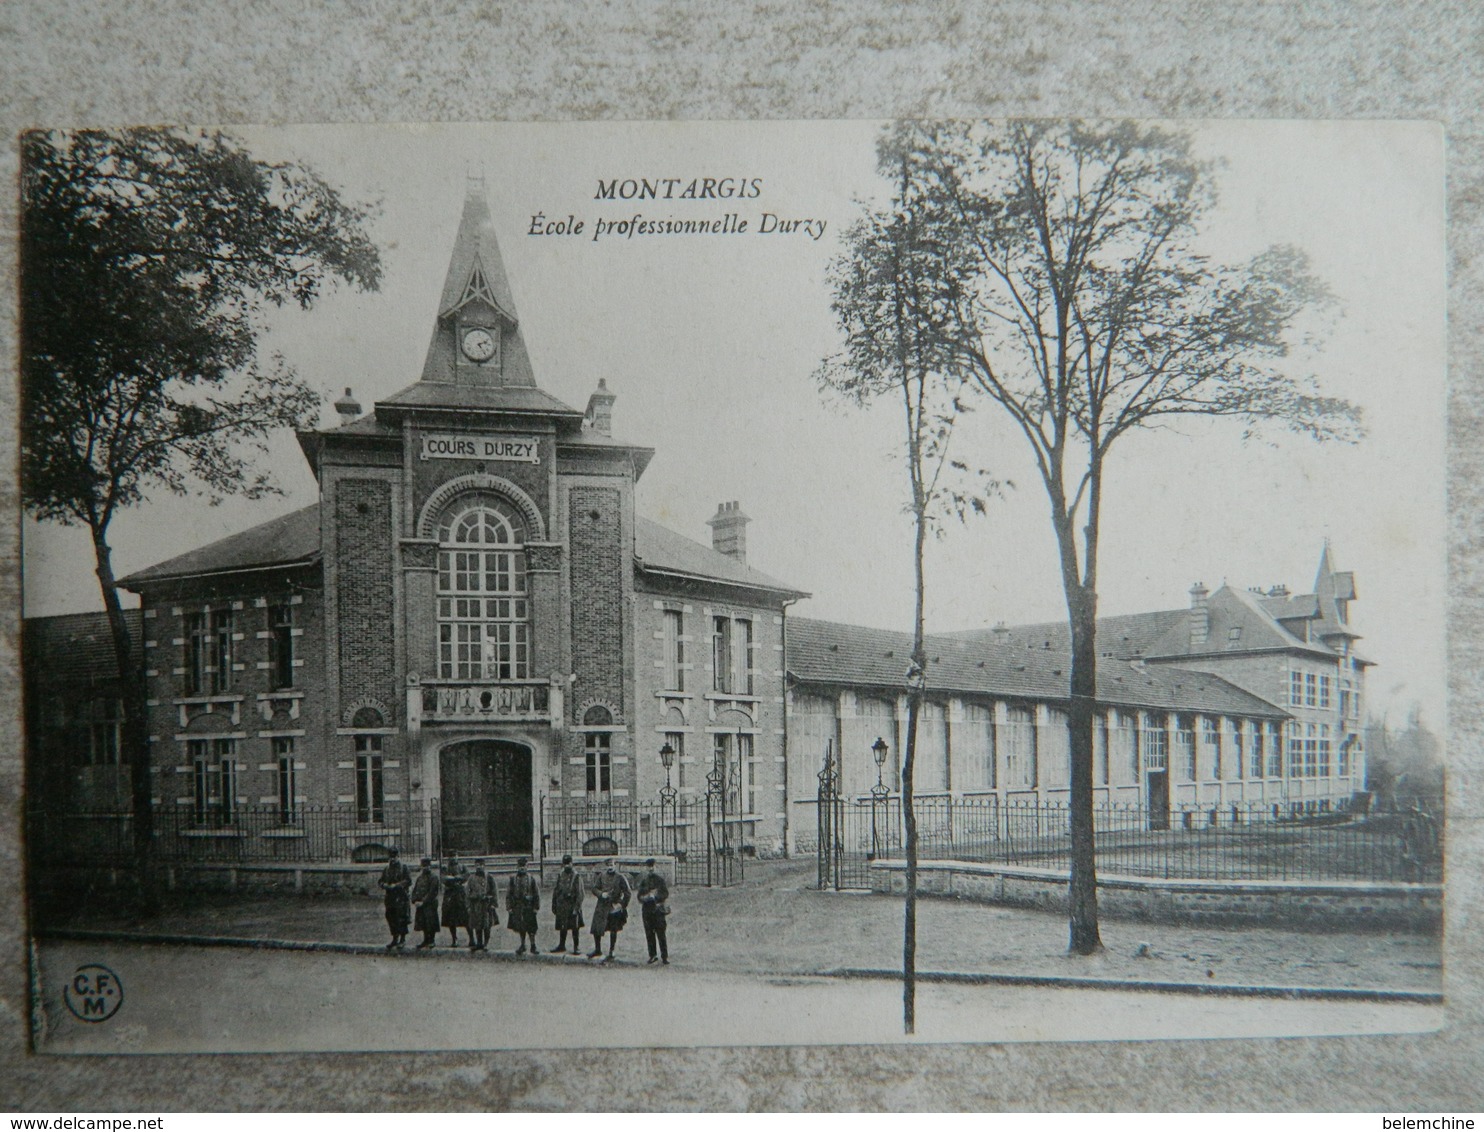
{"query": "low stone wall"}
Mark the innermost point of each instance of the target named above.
(1352, 905)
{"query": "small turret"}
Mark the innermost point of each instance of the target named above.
(600, 409)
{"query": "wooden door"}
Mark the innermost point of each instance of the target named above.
(486, 798)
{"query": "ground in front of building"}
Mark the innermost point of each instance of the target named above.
(777, 922)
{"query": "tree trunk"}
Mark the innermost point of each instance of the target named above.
(136, 753)
(917, 685)
(1083, 890)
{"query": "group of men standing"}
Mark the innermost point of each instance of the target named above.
(470, 900)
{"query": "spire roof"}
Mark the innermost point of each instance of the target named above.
(476, 274)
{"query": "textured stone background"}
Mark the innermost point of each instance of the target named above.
(66, 62)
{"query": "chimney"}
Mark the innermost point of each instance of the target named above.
(1001, 632)
(729, 531)
(600, 409)
(1200, 616)
(348, 407)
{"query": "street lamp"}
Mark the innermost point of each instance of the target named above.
(667, 797)
(879, 793)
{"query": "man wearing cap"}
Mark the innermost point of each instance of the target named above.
(654, 904)
(425, 896)
(611, 912)
(566, 904)
(522, 902)
(479, 891)
(395, 881)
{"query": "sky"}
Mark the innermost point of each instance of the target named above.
(710, 343)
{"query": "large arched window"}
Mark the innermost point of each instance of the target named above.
(483, 615)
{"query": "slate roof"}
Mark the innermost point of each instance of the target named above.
(289, 540)
(834, 654)
(1228, 609)
(74, 648)
(1125, 636)
(659, 548)
(427, 394)
(474, 244)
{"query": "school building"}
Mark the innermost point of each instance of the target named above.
(472, 630)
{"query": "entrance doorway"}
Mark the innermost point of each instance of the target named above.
(1159, 798)
(486, 797)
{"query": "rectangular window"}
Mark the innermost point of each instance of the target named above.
(226, 751)
(742, 683)
(674, 659)
(201, 781)
(1020, 747)
(1128, 730)
(1100, 750)
(596, 746)
(1238, 748)
(105, 733)
(1155, 739)
(1326, 684)
(288, 784)
(1185, 752)
(1342, 761)
(281, 646)
(721, 654)
(1295, 688)
(370, 781)
(1311, 689)
(483, 615)
(1323, 765)
(222, 654)
(747, 767)
(1275, 750)
(1211, 729)
(196, 652)
(1254, 749)
(977, 747)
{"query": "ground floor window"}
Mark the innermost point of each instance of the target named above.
(1020, 746)
(597, 747)
(288, 784)
(214, 779)
(370, 780)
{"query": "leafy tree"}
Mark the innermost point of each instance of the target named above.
(147, 257)
(1404, 765)
(880, 279)
(1069, 287)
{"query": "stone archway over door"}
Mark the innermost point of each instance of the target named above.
(485, 797)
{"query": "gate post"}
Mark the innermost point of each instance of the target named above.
(830, 814)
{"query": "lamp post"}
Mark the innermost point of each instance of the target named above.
(879, 793)
(667, 797)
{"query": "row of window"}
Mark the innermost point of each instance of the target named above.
(213, 651)
(1317, 689)
(734, 768)
(733, 654)
(216, 771)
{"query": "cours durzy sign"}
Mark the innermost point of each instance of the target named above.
(451, 446)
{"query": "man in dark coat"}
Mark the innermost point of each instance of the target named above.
(611, 912)
(654, 904)
(479, 890)
(395, 882)
(566, 904)
(455, 904)
(522, 902)
(425, 896)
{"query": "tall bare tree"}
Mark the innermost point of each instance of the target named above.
(147, 256)
(1069, 286)
(880, 281)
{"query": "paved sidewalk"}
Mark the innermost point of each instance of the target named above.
(778, 924)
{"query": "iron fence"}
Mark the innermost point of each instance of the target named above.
(1229, 843)
(710, 845)
(324, 834)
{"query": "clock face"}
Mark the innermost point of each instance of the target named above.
(479, 344)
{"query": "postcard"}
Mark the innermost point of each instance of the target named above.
(684, 583)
